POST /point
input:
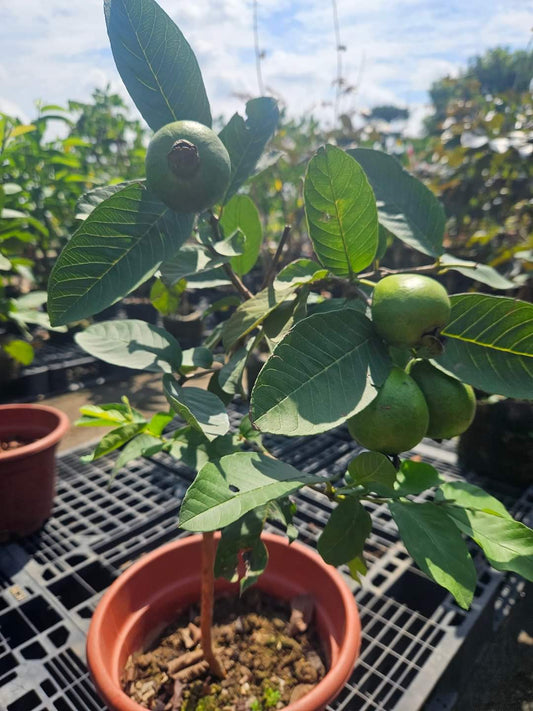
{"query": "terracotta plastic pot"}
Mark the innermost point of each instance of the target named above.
(150, 595)
(27, 473)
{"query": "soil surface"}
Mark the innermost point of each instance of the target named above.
(270, 654)
(9, 444)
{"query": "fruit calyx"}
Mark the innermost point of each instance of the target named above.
(183, 159)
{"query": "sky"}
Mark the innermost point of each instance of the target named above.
(54, 50)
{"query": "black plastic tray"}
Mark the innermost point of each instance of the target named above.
(415, 638)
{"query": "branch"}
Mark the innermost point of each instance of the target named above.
(269, 277)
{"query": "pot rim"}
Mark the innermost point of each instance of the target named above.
(336, 675)
(39, 445)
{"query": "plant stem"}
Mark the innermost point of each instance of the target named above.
(269, 277)
(206, 605)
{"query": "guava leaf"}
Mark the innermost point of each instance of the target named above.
(136, 448)
(91, 199)
(224, 491)
(156, 63)
(230, 375)
(246, 139)
(133, 344)
(19, 350)
(199, 408)
(243, 535)
(190, 259)
(345, 533)
(253, 312)
(489, 344)
(321, 373)
(197, 357)
(466, 495)
(115, 439)
(370, 468)
(298, 272)
(341, 212)
(240, 214)
(406, 207)
(117, 248)
(415, 477)
(437, 547)
(476, 271)
(507, 544)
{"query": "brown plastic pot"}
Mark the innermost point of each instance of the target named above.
(27, 473)
(151, 594)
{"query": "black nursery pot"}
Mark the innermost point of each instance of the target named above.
(187, 330)
(499, 443)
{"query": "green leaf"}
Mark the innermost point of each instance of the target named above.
(467, 495)
(158, 422)
(507, 544)
(166, 299)
(230, 375)
(225, 490)
(323, 372)
(199, 408)
(232, 246)
(156, 63)
(191, 259)
(243, 535)
(91, 199)
(489, 344)
(19, 350)
(5, 264)
(357, 568)
(406, 207)
(416, 477)
(135, 449)
(436, 545)
(298, 272)
(341, 212)
(240, 214)
(253, 312)
(283, 511)
(370, 468)
(246, 139)
(133, 344)
(474, 270)
(118, 247)
(115, 439)
(197, 357)
(345, 533)
(107, 415)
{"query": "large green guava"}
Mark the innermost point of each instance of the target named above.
(396, 419)
(407, 308)
(187, 166)
(451, 403)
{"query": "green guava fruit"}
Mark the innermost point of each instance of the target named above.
(408, 307)
(451, 403)
(396, 419)
(187, 166)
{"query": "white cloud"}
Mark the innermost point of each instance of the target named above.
(394, 50)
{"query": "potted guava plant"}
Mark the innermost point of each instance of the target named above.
(396, 360)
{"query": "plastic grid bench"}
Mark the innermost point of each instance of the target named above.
(414, 635)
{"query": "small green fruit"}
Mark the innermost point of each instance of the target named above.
(396, 420)
(451, 403)
(407, 307)
(187, 166)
